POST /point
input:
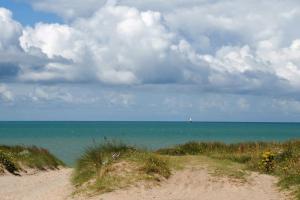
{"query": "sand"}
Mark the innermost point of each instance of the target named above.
(50, 185)
(188, 184)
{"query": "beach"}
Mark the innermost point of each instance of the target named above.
(115, 170)
(52, 185)
(188, 184)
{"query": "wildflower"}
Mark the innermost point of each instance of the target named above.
(267, 162)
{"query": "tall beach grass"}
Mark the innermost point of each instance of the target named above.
(114, 165)
(16, 159)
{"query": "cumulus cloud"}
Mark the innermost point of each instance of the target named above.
(10, 30)
(117, 45)
(235, 22)
(13, 59)
(257, 68)
(218, 46)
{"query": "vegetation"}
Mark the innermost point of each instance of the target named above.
(156, 165)
(6, 163)
(112, 165)
(280, 159)
(15, 159)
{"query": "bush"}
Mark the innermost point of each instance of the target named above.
(7, 162)
(239, 158)
(284, 155)
(194, 148)
(267, 162)
(17, 157)
(156, 165)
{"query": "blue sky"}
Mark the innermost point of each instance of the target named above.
(150, 60)
(26, 15)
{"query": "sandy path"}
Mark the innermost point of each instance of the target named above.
(51, 185)
(199, 185)
(189, 184)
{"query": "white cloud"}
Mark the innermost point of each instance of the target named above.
(52, 39)
(117, 45)
(206, 22)
(123, 45)
(5, 94)
(255, 68)
(212, 59)
(286, 63)
(68, 9)
(217, 46)
(10, 31)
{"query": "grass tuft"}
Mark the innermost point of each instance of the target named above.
(155, 164)
(18, 158)
(106, 167)
(95, 160)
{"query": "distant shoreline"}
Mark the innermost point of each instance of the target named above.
(142, 121)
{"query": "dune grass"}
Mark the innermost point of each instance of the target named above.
(15, 159)
(279, 159)
(109, 166)
(112, 165)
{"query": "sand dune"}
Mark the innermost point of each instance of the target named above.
(188, 184)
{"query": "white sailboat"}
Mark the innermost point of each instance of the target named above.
(190, 119)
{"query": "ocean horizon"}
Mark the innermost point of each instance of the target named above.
(68, 139)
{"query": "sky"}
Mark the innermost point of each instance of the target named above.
(212, 60)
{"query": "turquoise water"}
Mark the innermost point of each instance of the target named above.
(67, 140)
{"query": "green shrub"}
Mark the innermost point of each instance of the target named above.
(290, 180)
(284, 155)
(7, 162)
(239, 158)
(191, 148)
(28, 157)
(194, 148)
(156, 165)
(267, 162)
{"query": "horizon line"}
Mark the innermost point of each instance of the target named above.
(196, 121)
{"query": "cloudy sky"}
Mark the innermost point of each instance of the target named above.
(213, 60)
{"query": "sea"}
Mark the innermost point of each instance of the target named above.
(68, 140)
